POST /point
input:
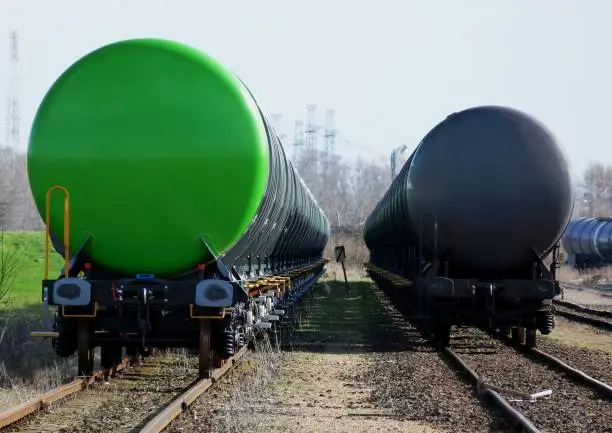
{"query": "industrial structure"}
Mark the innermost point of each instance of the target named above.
(308, 133)
(12, 116)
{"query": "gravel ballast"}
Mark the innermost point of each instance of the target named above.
(573, 407)
(355, 366)
(122, 404)
(595, 363)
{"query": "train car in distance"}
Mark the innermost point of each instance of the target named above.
(164, 187)
(588, 242)
(462, 234)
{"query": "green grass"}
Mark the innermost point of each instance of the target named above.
(30, 247)
(338, 317)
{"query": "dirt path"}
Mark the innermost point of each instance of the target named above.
(324, 393)
(355, 366)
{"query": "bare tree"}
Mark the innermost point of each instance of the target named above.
(594, 197)
(347, 193)
(328, 177)
(370, 181)
(17, 209)
(7, 184)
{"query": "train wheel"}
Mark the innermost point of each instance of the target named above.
(85, 348)
(518, 335)
(530, 337)
(204, 348)
(218, 361)
(110, 356)
(505, 331)
(442, 332)
(133, 353)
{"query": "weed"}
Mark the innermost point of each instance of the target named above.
(569, 274)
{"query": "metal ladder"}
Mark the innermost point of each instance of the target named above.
(66, 228)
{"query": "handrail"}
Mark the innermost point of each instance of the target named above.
(434, 219)
(66, 228)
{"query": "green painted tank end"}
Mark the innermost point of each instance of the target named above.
(159, 146)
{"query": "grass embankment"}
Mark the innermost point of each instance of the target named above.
(28, 251)
(27, 365)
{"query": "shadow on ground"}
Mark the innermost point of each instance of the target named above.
(333, 320)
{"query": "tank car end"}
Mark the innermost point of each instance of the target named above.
(213, 310)
(462, 235)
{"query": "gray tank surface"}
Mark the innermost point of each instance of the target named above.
(497, 183)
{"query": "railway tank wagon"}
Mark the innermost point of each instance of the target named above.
(181, 221)
(588, 242)
(462, 235)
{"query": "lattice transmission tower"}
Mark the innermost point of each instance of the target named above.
(312, 129)
(13, 119)
(330, 131)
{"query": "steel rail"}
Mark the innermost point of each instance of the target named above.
(36, 404)
(547, 358)
(602, 387)
(583, 314)
(183, 401)
(514, 414)
(578, 307)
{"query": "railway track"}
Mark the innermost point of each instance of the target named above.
(604, 388)
(47, 414)
(536, 389)
(494, 394)
(163, 385)
(30, 407)
(503, 391)
(183, 401)
(598, 318)
(169, 383)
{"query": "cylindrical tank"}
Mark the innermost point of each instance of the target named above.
(589, 237)
(161, 149)
(389, 224)
(496, 182)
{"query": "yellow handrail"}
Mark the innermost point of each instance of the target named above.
(66, 227)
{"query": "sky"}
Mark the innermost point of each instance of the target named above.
(391, 70)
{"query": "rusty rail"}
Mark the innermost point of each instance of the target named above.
(600, 386)
(583, 309)
(18, 413)
(183, 401)
(15, 414)
(598, 318)
(501, 402)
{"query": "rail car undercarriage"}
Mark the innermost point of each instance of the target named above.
(517, 308)
(214, 311)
